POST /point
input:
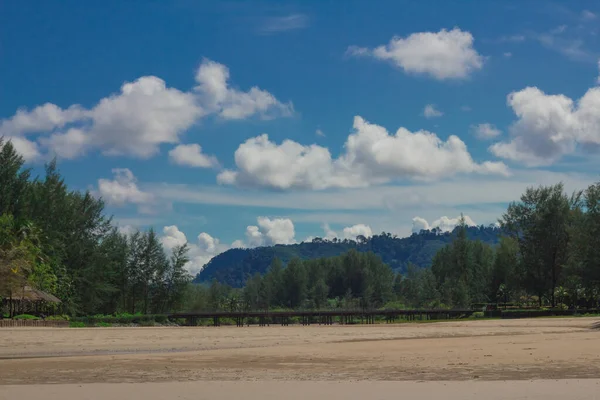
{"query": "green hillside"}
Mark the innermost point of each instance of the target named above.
(235, 266)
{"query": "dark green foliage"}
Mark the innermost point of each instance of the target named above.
(353, 279)
(69, 248)
(235, 266)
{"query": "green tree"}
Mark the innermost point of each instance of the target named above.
(540, 224)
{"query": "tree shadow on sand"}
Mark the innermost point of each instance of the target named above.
(596, 325)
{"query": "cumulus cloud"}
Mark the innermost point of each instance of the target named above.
(191, 155)
(41, 118)
(447, 54)
(372, 156)
(445, 224)
(486, 131)
(123, 189)
(229, 103)
(349, 232)
(26, 148)
(267, 232)
(143, 115)
(199, 253)
(319, 132)
(431, 112)
(550, 126)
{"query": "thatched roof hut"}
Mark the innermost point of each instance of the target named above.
(30, 294)
(28, 300)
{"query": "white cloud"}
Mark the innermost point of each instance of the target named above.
(230, 103)
(465, 108)
(268, 232)
(431, 112)
(349, 232)
(598, 78)
(352, 232)
(143, 115)
(486, 131)
(40, 119)
(199, 253)
(420, 224)
(550, 126)
(191, 155)
(285, 23)
(70, 144)
(372, 156)
(319, 132)
(445, 224)
(441, 55)
(507, 54)
(123, 189)
(26, 148)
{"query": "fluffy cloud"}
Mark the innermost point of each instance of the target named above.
(441, 55)
(550, 126)
(200, 252)
(123, 189)
(431, 112)
(230, 103)
(28, 149)
(191, 155)
(139, 118)
(371, 156)
(268, 232)
(349, 232)
(486, 131)
(445, 224)
(42, 118)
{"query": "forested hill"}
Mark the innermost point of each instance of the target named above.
(235, 266)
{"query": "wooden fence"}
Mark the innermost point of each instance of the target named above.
(28, 323)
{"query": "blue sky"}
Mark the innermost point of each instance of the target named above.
(253, 123)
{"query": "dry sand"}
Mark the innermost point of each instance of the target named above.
(107, 361)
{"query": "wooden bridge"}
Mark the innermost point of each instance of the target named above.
(329, 317)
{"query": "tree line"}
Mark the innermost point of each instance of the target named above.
(547, 256)
(60, 241)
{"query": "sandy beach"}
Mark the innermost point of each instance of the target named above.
(547, 355)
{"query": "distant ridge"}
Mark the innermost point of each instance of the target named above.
(235, 266)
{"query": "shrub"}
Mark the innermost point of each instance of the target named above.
(57, 318)
(103, 324)
(74, 324)
(26, 316)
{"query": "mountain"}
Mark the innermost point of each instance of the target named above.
(234, 266)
